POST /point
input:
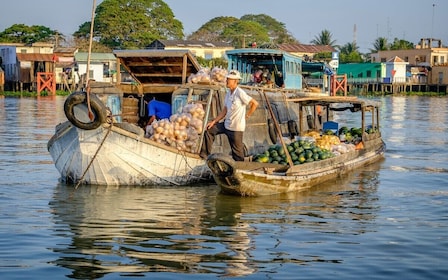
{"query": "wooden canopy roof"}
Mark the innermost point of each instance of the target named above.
(151, 67)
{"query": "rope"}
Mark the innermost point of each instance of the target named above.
(94, 156)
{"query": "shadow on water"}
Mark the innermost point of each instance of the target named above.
(197, 230)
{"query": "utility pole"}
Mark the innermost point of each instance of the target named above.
(432, 22)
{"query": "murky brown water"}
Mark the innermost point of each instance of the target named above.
(388, 220)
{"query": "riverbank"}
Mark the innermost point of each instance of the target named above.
(31, 93)
(379, 94)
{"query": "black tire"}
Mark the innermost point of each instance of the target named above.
(98, 109)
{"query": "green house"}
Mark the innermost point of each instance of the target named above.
(363, 72)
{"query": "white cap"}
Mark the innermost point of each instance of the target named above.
(234, 74)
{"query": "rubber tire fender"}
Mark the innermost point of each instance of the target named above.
(98, 109)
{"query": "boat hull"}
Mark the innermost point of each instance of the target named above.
(258, 179)
(110, 155)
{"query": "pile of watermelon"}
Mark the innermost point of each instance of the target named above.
(301, 151)
(354, 134)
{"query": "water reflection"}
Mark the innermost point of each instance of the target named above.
(190, 230)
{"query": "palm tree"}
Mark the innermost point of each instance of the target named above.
(349, 53)
(380, 44)
(401, 44)
(349, 48)
(324, 38)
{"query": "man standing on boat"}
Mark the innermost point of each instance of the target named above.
(234, 115)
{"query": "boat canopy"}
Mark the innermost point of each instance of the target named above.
(249, 60)
(316, 67)
(149, 67)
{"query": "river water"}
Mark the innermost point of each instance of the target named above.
(386, 221)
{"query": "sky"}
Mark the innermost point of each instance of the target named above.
(361, 21)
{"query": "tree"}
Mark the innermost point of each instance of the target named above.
(349, 53)
(132, 24)
(244, 33)
(212, 30)
(21, 33)
(261, 29)
(277, 31)
(380, 44)
(400, 44)
(324, 38)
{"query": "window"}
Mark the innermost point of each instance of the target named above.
(435, 59)
(208, 55)
(106, 72)
(369, 74)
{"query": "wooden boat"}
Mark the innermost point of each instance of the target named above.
(101, 146)
(252, 178)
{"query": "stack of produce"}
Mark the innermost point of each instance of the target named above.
(205, 75)
(325, 141)
(342, 148)
(181, 130)
(354, 134)
(202, 76)
(218, 74)
(301, 151)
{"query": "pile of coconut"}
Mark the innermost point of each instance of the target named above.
(181, 130)
(205, 75)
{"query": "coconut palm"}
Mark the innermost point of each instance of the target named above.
(324, 38)
(349, 53)
(380, 44)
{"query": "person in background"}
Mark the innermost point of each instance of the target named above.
(234, 114)
(257, 76)
(279, 80)
(158, 110)
(266, 77)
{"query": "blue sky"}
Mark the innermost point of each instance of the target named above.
(404, 19)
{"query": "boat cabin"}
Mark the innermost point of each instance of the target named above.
(276, 63)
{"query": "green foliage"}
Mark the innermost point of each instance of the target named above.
(323, 56)
(349, 53)
(132, 24)
(325, 37)
(400, 44)
(380, 44)
(214, 62)
(261, 29)
(276, 30)
(32, 93)
(212, 30)
(243, 33)
(21, 33)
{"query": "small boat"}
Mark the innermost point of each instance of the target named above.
(98, 145)
(304, 163)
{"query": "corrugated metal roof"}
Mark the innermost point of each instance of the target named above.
(194, 43)
(302, 48)
(82, 56)
(60, 51)
(35, 57)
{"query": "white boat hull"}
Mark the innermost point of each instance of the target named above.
(114, 156)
